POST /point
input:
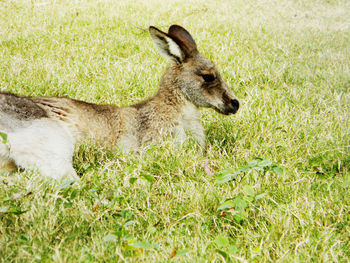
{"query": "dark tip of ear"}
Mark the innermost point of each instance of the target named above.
(176, 27)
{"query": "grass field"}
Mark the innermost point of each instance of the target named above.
(280, 189)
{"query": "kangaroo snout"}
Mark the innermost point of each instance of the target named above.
(230, 103)
(231, 107)
(234, 105)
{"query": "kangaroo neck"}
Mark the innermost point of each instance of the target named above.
(169, 90)
(171, 96)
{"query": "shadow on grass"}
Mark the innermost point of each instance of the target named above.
(222, 135)
(328, 164)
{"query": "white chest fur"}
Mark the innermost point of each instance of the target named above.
(189, 124)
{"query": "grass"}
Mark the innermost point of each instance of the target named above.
(287, 61)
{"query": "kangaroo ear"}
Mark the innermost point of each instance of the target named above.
(166, 45)
(184, 39)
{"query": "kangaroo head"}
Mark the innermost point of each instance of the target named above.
(196, 76)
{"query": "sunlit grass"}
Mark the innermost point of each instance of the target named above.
(287, 62)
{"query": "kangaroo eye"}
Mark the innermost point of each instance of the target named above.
(208, 77)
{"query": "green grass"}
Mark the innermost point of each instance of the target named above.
(287, 61)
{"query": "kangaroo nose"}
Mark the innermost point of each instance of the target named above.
(235, 105)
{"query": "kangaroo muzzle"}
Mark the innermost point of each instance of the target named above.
(230, 103)
(234, 106)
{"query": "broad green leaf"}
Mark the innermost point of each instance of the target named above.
(129, 223)
(265, 163)
(245, 169)
(148, 178)
(151, 229)
(222, 241)
(110, 238)
(240, 203)
(226, 172)
(253, 163)
(277, 170)
(346, 183)
(226, 178)
(144, 245)
(12, 210)
(132, 180)
(182, 252)
(129, 238)
(240, 216)
(223, 179)
(3, 136)
(226, 205)
(232, 249)
(248, 190)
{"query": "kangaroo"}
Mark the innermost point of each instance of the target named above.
(41, 132)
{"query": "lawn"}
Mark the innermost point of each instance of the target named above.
(281, 166)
